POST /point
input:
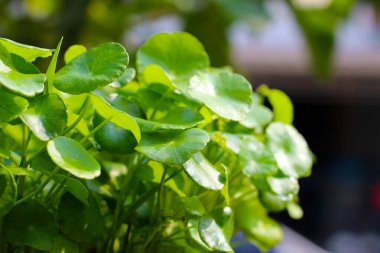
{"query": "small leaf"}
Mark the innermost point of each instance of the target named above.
(8, 191)
(50, 73)
(216, 229)
(95, 68)
(294, 210)
(290, 150)
(64, 245)
(281, 104)
(203, 172)
(11, 106)
(124, 79)
(179, 54)
(193, 205)
(259, 116)
(46, 116)
(30, 224)
(173, 147)
(74, 186)
(119, 118)
(153, 73)
(228, 95)
(72, 157)
(29, 53)
(193, 232)
(283, 185)
(73, 51)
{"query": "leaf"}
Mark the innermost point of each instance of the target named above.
(227, 94)
(193, 205)
(290, 150)
(95, 68)
(5, 144)
(193, 232)
(80, 222)
(64, 245)
(294, 211)
(46, 116)
(173, 147)
(153, 73)
(119, 118)
(30, 224)
(283, 185)
(216, 229)
(124, 79)
(281, 104)
(259, 116)
(74, 51)
(179, 54)
(29, 53)
(74, 186)
(50, 73)
(11, 106)
(8, 191)
(72, 157)
(203, 172)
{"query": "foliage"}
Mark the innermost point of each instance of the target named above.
(177, 159)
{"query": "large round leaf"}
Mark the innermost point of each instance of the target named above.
(72, 157)
(179, 54)
(227, 94)
(290, 149)
(30, 224)
(97, 67)
(216, 229)
(7, 191)
(203, 172)
(11, 106)
(29, 53)
(173, 147)
(46, 116)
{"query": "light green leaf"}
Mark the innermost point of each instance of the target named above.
(193, 232)
(8, 191)
(259, 116)
(124, 79)
(173, 147)
(11, 106)
(216, 229)
(193, 205)
(30, 224)
(204, 173)
(46, 116)
(227, 94)
(119, 118)
(290, 150)
(95, 68)
(294, 210)
(50, 73)
(73, 51)
(5, 144)
(153, 73)
(72, 157)
(25, 84)
(29, 53)
(281, 104)
(179, 54)
(283, 185)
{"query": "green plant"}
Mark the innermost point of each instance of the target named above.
(175, 161)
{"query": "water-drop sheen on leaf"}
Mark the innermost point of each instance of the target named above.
(173, 147)
(72, 157)
(95, 68)
(227, 94)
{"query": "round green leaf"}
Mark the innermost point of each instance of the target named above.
(11, 106)
(95, 68)
(203, 172)
(179, 54)
(125, 78)
(8, 191)
(29, 53)
(259, 116)
(290, 149)
(73, 51)
(30, 224)
(173, 147)
(227, 94)
(216, 229)
(72, 157)
(281, 104)
(119, 118)
(46, 116)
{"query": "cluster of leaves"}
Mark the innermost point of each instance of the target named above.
(176, 160)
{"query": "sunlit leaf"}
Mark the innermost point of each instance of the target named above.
(29, 53)
(11, 106)
(73, 51)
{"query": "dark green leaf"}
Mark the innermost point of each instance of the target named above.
(11, 106)
(72, 157)
(8, 191)
(173, 147)
(64, 245)
(227, 94)
(95, 68)
(290, 150)
(203, 172)
(30, 224)
(46, 116)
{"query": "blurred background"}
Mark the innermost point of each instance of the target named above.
(325, 54)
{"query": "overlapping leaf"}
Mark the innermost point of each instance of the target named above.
(7, 191)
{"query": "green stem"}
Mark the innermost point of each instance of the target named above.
(159, 194)
(26, 136)
(83, 110)
(97, 128)
(54, 194)
(40, 188)
(158, 103)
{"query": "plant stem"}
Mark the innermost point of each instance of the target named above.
(40, 188)
(83, 110)
(97, 128)
(159, 193)
(26, 136)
